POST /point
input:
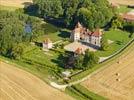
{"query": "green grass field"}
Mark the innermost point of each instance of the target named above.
(56, 35)
(38, 56)
(9, 8)
(47, 63)
(81, 93)
(119, 38)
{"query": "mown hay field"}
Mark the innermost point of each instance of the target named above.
(16, 84)
(115, 80)
(123, 2)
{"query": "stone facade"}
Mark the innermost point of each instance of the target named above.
(82, 34)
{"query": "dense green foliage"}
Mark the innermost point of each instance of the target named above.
(13, 32)
(88, 12)
(48, 8)
(79, 62)
(88, 60)
(118, 23)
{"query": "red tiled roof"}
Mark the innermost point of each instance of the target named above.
(85, 32)
(78, 51)
(97, 33)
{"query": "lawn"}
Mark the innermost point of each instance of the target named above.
(55, 35)
(81, 93)
(45, 62)
(37, 55)
(119, 38)
(9, 8)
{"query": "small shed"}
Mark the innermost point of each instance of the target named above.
(66, 73)
(47, 44)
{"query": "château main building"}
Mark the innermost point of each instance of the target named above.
(83, 34)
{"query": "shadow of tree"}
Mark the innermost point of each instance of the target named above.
(38, 44)
(30, 9)
(59, 61)
(119, 42)
(63, 60)
(59, 22)
(64, 34)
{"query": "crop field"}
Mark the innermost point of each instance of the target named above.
(115, 80)
(123, 2)
(16, 84)
(15, 3)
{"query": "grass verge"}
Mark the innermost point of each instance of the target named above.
(81, 93)
(9, 8)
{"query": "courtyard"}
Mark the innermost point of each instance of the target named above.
(72, 47)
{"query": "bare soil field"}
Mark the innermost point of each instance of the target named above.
(15, 3)
(114, 81)
(16, 84)
(123, 2)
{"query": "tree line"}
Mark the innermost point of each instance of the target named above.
(13, 33)
(91, 13)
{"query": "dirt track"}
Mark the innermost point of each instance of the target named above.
(123, 2)
(107, 83)
(16, 84)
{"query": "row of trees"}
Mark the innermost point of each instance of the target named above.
(80, 61)
(13, 33)
(88, 12)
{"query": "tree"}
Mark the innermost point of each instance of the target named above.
(12, 31)
(129, 26)
(48, 8)
(70, 9)
(90, 59)
(85, 16)
(104, 44)
(17, 51)
(117, 22)
(79, 62)
(89, 12)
